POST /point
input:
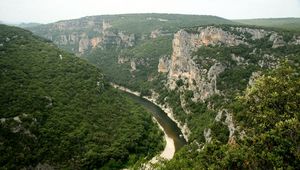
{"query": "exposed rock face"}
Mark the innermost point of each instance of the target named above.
(106, 25)
(191, 69)
(127, 40)
(134, 63)
(156, 33)
(133, 66)
(63, 40)
(268, 61)
(278, 43)
(72, 34)
(201, 81)
(213, 35)
(73, 38)
(228, 121)
(207, 135)
(83, 44)
(296, 40)
(256, 33)
(253, 77)
(95, 41)
(18, 126)
(277, 40)
(238, 59)
(163, 65)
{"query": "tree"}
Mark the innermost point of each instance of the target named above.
(271, 118)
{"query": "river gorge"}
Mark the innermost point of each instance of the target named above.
(173, 134)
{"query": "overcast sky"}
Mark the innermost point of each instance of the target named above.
(45, 11)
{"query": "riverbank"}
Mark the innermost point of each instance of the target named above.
(166, 108)
(169, 149)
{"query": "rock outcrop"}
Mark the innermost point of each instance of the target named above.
(201, 78)
(80, 37)
(268, 61)
(127, 39)
(83, 44)
(223, 113)
(181, 66)
(164, 64)
(295, 41)
(158, 33)
(277, 40)
(212, 36)
(133, 66)
(255, 33)
(186, 71)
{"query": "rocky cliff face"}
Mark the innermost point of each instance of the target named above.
(202, 79)
(182, 66)
(236, 50)
(79, 36)
(164, 64)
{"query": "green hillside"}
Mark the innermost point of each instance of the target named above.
(292, 24)
(268, 112)
(234, 86)
(144, 49)
(138, 23)
(27, 25)
(145, 23)
(58, 111)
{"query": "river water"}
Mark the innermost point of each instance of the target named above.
(169, 126)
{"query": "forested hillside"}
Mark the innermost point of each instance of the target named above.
(232, 88)
(268, 115)
(241, 105)
(58, 111)
(128, 46)
(291, 24)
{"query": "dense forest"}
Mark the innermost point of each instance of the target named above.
(59, 111)
(282, 23)
(268, 114)
(60, 105)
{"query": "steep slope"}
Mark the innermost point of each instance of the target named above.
(208, 68)
(268, 113)
(292, 24)
(58, 111)
(80, 35)
(196, 74)
(129, 43)
(209, 65)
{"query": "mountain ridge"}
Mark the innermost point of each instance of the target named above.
(290, 23)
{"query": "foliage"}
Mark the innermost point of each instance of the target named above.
(269, 114)
(292, 24)
(59, 110)
(146, 50)
(257, 55)
(171, 22)
(146, 56)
